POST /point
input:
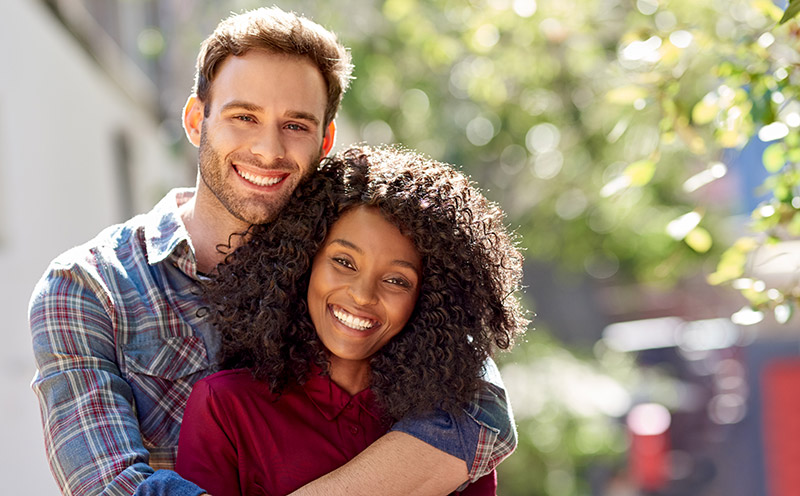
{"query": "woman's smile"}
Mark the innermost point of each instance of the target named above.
(352, 321)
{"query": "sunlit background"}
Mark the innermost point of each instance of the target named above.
(644, 150)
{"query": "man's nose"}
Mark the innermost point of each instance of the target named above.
(268, 143)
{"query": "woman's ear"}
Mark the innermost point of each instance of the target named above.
(193, 115)
(328, 138)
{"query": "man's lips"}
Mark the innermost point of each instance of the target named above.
(261, 180)
(353, 321)
(262, 175)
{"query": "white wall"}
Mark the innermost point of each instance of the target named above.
(58, 187)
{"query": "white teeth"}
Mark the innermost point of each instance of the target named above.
(260, 180)
(353, 321)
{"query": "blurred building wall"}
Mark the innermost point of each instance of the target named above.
(76, 155)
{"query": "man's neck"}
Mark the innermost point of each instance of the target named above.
(208, 230)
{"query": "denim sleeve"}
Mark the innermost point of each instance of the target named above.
(167, 482)
(482, 435)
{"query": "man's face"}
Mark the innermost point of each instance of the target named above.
(262, 136)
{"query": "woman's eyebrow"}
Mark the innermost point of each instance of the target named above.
(407, 264)
(352, 246)
(347, 244)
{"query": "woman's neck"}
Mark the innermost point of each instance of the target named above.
(351, 375)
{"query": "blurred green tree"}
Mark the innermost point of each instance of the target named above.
(609, 131)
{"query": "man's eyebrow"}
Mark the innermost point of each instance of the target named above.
(305, 116)
(401, 263)
(242, 105)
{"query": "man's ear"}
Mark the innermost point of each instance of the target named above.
(328, 138)
(193, 114)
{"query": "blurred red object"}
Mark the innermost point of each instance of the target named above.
(781, 404)
(648, 429)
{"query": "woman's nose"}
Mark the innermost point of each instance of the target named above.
(362, 290)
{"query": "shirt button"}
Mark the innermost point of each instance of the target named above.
(353, 430)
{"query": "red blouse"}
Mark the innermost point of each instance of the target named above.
(238, 438)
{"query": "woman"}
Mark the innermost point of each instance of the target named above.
(378, 293)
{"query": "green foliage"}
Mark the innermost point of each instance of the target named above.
(566, 407)
(776, 222)
(597, 125)
(570, 113)
(791, 11)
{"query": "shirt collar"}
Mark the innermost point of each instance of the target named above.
(331, 400)
(164, 229)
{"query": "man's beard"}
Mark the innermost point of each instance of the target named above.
(251, 210)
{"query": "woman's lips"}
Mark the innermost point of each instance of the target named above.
(352, 321)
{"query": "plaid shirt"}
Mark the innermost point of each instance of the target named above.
(119, 342)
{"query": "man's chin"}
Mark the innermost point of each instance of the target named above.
(261, 215)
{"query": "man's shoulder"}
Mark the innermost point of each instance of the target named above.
(110, 245)
(119, 244)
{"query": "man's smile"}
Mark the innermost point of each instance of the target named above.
(261, 180)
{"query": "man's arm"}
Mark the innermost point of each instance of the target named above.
(433, 454)
(397, 464)
(91, 431)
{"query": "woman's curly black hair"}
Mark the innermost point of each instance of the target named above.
(468, 301)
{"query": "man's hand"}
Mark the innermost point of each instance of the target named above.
(397, 464)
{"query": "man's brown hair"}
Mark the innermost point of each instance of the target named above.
(273, 30)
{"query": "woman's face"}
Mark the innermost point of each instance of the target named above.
(364, 284)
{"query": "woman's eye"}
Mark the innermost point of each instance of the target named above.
(343, 262)
(399, 281)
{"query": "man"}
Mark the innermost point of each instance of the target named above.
(118, 331)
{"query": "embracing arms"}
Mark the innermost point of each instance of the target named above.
(433, 455)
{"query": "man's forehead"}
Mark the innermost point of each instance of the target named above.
(252, 80)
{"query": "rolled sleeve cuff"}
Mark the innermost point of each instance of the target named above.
(167, 482)
(457, 435)
(482, 435)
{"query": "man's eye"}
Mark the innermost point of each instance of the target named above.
(245, 118)
(295, 127)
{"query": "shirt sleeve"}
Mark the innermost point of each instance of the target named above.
(491, 409)
(206, 453)
(485, 486)
(483, 434)
(91, 431)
